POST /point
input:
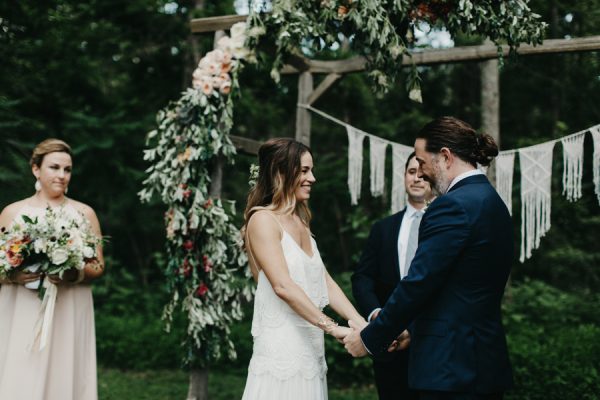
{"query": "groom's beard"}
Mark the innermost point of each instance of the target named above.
(439, 182)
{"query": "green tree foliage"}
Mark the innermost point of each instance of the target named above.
(95, 73)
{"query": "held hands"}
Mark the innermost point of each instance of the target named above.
(353, 343)
(402, 341)
(340, 332)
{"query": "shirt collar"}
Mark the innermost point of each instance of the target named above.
(411, 211)
(464, 175)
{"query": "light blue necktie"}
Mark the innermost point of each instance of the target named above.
(413, 239)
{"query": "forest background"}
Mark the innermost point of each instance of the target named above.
(95, 73)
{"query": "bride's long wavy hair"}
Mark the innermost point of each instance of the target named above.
(278, 177)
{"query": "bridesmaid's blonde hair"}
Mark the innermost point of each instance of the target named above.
(46, 147)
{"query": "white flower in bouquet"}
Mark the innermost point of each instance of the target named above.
(89, 252)
(76, 237)
(59, 256)
(39, 245)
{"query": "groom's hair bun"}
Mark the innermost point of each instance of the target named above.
(460, 138)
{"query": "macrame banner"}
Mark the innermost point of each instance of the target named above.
(400, 154)
(505, 163)
(536, 174)
(355, 161)
(377, 148)
(536, 177)
(572, 165)
(595, 131)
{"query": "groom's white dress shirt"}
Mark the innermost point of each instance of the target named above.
(463, 176)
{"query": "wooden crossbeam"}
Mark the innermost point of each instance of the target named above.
(323, 86)
(212, 24)
(454, 54)
(245, 145)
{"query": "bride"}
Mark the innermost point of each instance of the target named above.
(293, 286)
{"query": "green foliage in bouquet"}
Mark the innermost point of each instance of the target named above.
(206, 271)
(382, 30)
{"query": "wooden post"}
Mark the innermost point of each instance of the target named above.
(490, 105)
(305, 88)
(198, 389)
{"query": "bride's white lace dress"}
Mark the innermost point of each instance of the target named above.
(288, 359)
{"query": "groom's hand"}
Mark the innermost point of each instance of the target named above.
(353, 343)
(401, 342)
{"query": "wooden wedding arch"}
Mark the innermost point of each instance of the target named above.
(306, 68)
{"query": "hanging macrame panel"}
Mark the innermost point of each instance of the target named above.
(572, 166)
(505, 164)
(595, 131)
(377, 148)
(536, 177)
(355, 161)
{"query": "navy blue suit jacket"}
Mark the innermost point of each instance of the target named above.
(452, 294)
(378, 271)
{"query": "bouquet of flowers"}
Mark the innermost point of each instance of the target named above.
(56, 243)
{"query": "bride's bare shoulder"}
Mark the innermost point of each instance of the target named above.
(263, 221)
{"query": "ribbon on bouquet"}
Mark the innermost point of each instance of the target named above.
(43, 326)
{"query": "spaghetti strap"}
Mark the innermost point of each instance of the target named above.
(250, 252)
(249, 248)
(276, 220)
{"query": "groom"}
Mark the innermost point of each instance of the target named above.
(453, 290)
(385, 260)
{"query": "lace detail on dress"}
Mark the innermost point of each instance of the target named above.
(285, 344)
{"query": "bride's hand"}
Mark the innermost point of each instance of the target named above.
(340, 332)
(358, 323)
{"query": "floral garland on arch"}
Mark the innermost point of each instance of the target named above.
(207, 270)
(382, 30)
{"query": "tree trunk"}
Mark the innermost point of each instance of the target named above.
(198, 389)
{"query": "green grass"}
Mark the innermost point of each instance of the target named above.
(114, 384)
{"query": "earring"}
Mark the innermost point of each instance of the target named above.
(37, 186)
(66, 190)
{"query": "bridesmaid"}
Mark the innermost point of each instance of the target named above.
(65, 369)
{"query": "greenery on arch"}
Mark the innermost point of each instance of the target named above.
(382, 30)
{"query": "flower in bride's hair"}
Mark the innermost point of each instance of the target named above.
(254, 170)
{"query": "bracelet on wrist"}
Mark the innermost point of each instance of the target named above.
(327, 324)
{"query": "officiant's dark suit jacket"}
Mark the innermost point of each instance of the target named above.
(378, 271)
(452, 295)
(374, 280)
